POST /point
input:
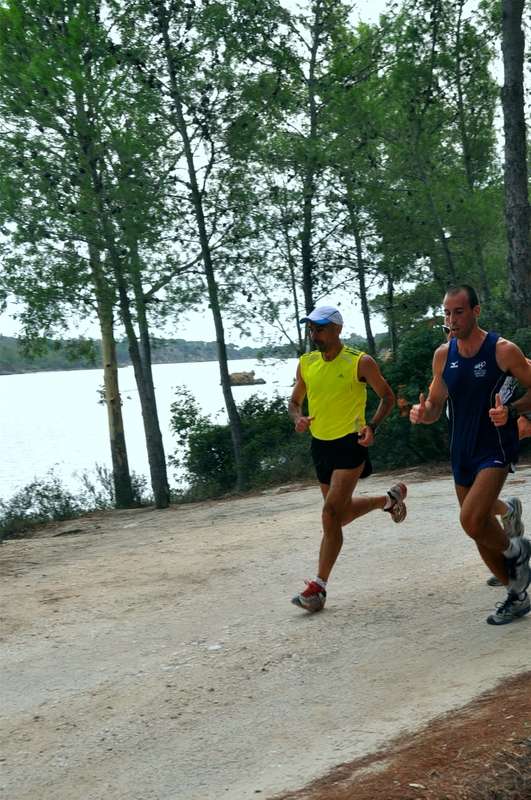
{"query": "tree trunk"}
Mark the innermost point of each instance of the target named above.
(517, 208)
(467, 158)
(123, 490)
(310, 171)
(146, 392)
(302, 339)
(360, 272)
(391, 325)
(452, 275)
(242, 476)
(146, 389)
(155, 450)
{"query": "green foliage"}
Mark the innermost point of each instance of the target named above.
(273, 452)
(409, 370)
(323, 156)
(98, 491)
(39, 502)
(46, 500)
(497, 316)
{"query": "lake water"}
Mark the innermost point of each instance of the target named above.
(53, 419)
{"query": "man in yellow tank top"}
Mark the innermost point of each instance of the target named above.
(335, 378)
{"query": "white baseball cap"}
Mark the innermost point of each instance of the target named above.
(322, 315)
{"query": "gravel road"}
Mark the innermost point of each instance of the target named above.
(155, 655)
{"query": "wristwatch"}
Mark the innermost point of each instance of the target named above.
(513, 413)
(372, 426)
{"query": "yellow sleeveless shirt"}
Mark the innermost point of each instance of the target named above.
(336, 398)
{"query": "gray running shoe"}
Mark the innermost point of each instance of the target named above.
(398, 510)
(312, 598)
(513, 525)
(494, 581)
(511, 609)
(518, 570)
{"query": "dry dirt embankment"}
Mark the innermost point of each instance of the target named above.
(156, 655)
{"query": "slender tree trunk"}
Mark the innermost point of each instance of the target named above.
(517, 208)
(391, 325)
(452, 274)
(467, 158)
(243, 482)
(144, 382)
(360, 273)
(302, 340)
(436, 11)
(146, 392)
(311, 168)
(123, 490)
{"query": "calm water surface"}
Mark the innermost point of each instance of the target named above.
(53, 419)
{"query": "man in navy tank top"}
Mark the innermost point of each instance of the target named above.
(476, 372)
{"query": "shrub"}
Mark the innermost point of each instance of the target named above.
(46, 500)
(39, 502)
(273, 452)
(99, 493)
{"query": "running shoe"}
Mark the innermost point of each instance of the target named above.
(511, 609)
(398, 509)
(513, 527)
(512, 524)
(312, 598)
(518, 570)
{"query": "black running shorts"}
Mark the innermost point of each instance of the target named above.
(344, 453)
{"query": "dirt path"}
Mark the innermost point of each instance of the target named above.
(156, 655)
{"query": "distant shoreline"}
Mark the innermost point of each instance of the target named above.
(66, 355)
(78, 368)
(79, 354)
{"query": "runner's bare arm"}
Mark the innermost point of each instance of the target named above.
(511, 359)
(369, 371)
(428, 411)
(524, 427)
(295, 404)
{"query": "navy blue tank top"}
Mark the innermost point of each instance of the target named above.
(472, 385)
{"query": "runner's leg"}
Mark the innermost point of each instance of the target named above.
(359, 506)
(337, 497)
(479, 521)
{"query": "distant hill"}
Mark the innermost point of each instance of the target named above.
(69, 354)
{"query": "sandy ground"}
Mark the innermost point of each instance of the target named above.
(155, 655)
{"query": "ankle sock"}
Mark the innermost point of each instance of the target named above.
(320, 582)
(389, 502)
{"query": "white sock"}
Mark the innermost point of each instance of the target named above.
(513, 549)
(389, 503)
(320, 582)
